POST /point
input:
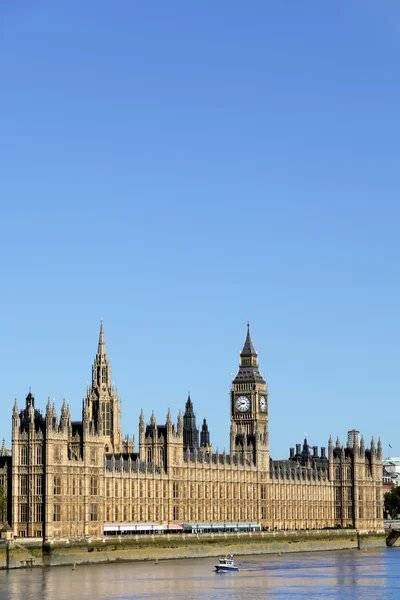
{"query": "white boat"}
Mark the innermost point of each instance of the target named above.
(226, 564)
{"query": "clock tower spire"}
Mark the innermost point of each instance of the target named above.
(249, 409)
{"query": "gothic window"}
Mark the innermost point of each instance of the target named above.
(149, 489)
(73, 486)
(24, 485)
(24, 455)
(125, 513)
(93, 487)
(39, 485)
(98, 375)
(81, 487)
(350, 512)
(133, 490)
(141, 489)
(57, 512)
(39, 455)
(93, 512)
(349, 495)
(106, 410)
(338, 494)
(57, 486)
(38, 513)
(175, 490)
(116, 489)
(93, 456)
(348, 473)
(23, 513)
(116, 513)
(104, 375)
(337, 473)
(108, 513)
(176, 513)
(156, 491)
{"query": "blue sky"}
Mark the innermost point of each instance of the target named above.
(178, 168)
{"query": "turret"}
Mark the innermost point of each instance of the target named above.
(64, 421)
(190, 431)
(169, 418)
(141, 429)
(204, 435)
(379, 453)
(180, 423)
(3, 450)
(15, 418)
(373, 447)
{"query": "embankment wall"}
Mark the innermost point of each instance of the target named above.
(32, 553)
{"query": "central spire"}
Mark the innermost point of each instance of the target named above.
(101, 367)
(102, 345)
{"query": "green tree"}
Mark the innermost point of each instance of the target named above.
(392, 502)
(3, 503)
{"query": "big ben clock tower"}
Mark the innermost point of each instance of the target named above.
(249, 410)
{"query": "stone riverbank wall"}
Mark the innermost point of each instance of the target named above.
(34, 553)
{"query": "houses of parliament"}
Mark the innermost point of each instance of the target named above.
(67, 479)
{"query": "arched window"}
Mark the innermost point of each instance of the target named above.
(39, 455)
(337, 473)
(106, 418)
(24, 455)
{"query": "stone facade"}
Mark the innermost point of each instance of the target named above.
(69, 478)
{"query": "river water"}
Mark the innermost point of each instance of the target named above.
(341, 575)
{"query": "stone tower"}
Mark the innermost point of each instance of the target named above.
(190, 431)
(101, 409)
(249, 410)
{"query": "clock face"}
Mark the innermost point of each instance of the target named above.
(242, 403)
(263, 404)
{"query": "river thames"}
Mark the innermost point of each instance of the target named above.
(348, 574)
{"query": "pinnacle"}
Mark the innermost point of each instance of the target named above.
(248, 348)
(102, 344)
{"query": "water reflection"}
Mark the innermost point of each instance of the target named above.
(329, 575)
